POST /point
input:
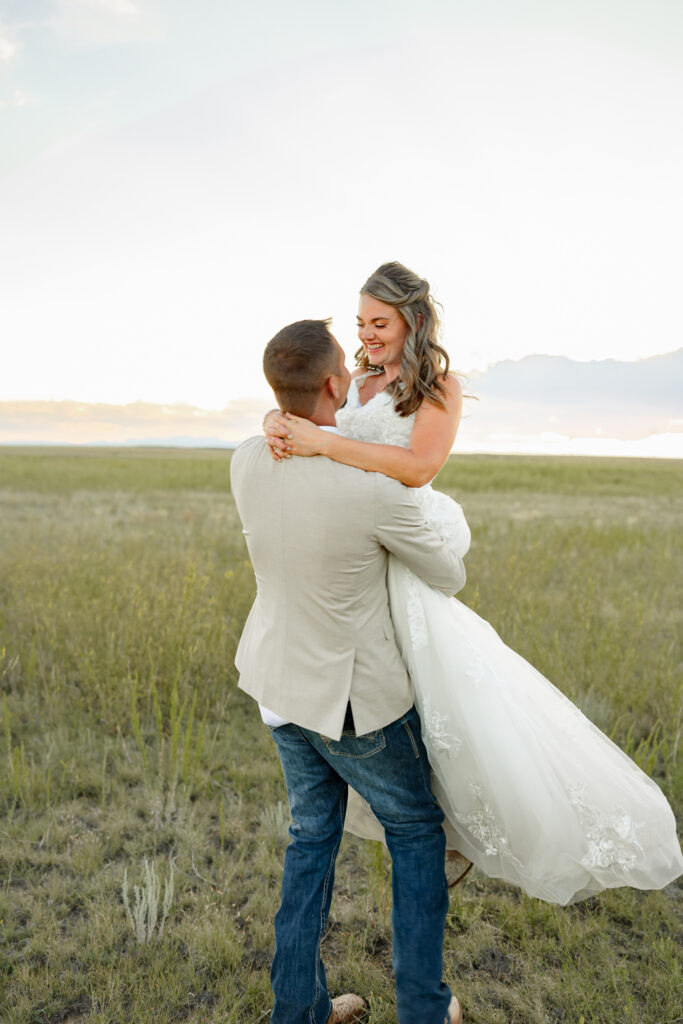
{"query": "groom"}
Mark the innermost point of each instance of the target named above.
(318, 652)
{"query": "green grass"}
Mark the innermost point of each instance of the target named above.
(570, 475)
(124, 584)
(69, 470)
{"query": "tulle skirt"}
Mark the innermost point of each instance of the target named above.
(532, 791)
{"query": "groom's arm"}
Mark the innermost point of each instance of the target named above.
(402, 529)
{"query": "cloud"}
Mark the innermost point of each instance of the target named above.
(104, 22)
(183, 425)
(9, 46)
(88, 423)
(123, 8)
(18, 99)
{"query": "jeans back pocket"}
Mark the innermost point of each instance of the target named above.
(356, 746)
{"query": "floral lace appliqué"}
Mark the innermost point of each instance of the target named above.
(483, 826)
(479, 673)
(612, 837)
(438, 738)
(416, 616)
(375, 421)
(446, 518)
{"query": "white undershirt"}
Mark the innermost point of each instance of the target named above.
(269, 717)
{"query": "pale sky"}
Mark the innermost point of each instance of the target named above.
(179, 180)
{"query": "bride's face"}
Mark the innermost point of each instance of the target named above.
(382, 331)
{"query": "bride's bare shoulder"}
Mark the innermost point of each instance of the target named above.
(452, 396)
(452, 385)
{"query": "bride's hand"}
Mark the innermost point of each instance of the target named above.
(292, 435)
(276, 429)
(303, 437)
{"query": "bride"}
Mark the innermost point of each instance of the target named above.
(532, 791)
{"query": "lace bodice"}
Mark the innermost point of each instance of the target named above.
(378, 422)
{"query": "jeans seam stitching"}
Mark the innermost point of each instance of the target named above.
(326, 885)
(412, 738)
(356, 757)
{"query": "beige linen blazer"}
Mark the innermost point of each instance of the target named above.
(319, 633)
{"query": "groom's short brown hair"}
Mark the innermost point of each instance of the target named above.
(298, 361)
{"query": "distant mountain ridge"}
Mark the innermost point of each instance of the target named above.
(550, 398)
(656, 381)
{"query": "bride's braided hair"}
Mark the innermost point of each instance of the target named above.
(424, 362)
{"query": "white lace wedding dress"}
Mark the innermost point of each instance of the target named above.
(532, 791)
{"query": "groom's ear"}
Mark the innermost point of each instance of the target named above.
(333, 387)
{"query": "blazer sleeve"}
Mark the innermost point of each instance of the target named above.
(402, 529)
(241, 459)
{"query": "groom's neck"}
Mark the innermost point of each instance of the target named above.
(323, 413)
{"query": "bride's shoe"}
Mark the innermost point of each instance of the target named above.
(454, 1008)
(346, 1009)
(457, 867)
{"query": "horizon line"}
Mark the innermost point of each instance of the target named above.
(229, 446)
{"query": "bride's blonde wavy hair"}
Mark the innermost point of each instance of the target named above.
(424, 362)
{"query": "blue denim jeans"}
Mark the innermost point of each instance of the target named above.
(389, 768)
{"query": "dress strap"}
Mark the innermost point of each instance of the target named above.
(353, 395)
(362, 377)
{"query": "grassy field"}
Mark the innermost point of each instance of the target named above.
(124, 584)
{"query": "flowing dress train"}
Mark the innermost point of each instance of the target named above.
(533, 792)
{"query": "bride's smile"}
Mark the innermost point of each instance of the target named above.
(382, 332)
